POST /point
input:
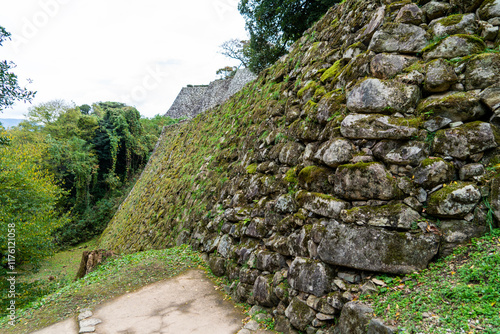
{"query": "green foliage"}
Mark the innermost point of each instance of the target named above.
(93, 157)
(10, 91)
(29, 197)
(455, 290)
(273, 26)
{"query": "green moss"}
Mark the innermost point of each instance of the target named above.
(252, 169)
(359, 165)
(332, 71)
(443, 193)
(451, 20)
(291, 176)
(311, 85)
(312, 173)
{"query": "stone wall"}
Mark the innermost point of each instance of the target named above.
(193, 100)
(372, 147)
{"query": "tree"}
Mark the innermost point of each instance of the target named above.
(10, 91)
(236, 49)
(48, 112)
(29, 197)
(274, 25)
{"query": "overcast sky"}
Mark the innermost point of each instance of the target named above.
(137, 52)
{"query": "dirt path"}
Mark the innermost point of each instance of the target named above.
(187, 303)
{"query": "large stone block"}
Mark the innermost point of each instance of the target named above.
(321, 204)
(399, 37)
(309, 276)
(387, 65)
(375, 249)
(375, 96)
(489, 10)
(263, 291)
(454, 46)
(354, 319)
(465, 140)
(376, 126)
(439, 76)
(396, 216)
(454, 201)
(454, 24)
(299, 313)
(401, 153)
(364, 181)
(456, 106)
(433, 172)
(482, 71)
(336, 152)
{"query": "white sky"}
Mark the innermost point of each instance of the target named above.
(137, 52)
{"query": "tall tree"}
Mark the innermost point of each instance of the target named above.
(274, 25)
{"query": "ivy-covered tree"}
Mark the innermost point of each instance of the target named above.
(274, 25)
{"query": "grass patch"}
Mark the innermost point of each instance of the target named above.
(458, 294)
(115, 277)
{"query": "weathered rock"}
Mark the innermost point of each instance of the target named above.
(217, 265)
(376, 326)
(321, 204)
(270, 261)
(387, 65)
(436, 123)
(470, 171)
(457, 232)
(305, 130)
(298, 242)
(309, 276)
(398, 253)
(463, 141)
(454, 201)
(290, 153)
(248, 276)
(410, 14)
(329, 104)
(336, 152)
(435, 9)
(285, 204)
(399, 37)
(401, 153)
(433, 172)
(376, 126)
(495, 197)
(466, 6)
(439, 76)
(315, 179)
(354, 319)
(489, 32)
(257, 228)
(396, 216)
(363, 181)
(224, 247)
(375, 96)
(454, 24)
(369, 288)
(263, 291)
(458, 107)
(320, 305)
(489, 9)
(491, 96)
(299, 313)
(482, 71)
(454, 46)
(372, 26)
